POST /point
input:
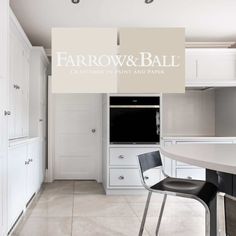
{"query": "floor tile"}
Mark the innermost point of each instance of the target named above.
(39, 226)
(59, 187)
(106, 226)
(53, 206)
(96, 206)
(88, 187)
(181, 225)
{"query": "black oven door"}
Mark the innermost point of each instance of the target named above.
(134, 125)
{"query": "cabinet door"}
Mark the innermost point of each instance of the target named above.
(13, 70)
(25, 93)
(3, 152)
(19, 80)
(16, 182)
(31, 171)
(42, 159)
(217, 66)
(3, 118)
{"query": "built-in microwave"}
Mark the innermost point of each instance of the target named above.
(134, 120)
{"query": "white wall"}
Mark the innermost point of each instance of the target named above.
(189, 114)
(225, 107)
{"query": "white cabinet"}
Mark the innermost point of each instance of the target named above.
(190, 173)
(211, 67)
(16, 182)
(123, 169)
(25, 176)
(124, 177)
(38, 90)
(3, 118)
(19, 80)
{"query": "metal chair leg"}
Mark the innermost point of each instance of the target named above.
(207, 222)
(161, 214)
(145, 214)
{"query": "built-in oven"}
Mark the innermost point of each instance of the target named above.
(134, 120)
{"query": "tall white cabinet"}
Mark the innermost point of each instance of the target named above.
(3, 112)
(26, 130)
(38, 99)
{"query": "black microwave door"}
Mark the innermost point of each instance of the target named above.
(133, 125)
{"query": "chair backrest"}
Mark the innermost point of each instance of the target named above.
(230, 215)
(149, 160)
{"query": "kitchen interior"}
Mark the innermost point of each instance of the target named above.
(71, 161)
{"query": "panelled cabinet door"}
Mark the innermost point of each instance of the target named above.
(217, 66)
(32, 170)
(16, 182)
(19, 83)
(25, 92)
(211, 66)
(42, 156)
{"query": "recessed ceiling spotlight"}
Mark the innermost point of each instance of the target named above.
(148, 1)
(75, 1)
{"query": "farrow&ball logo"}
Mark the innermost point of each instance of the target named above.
(110, 60)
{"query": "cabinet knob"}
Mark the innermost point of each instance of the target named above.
(7, 113)
(93, 130)
(30, 160)
(146, 177)
(121, 156)
(40, 120)
(16, 86)
(26, 162)
(121, 177)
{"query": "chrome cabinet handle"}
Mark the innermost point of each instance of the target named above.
(121, 177)
(7, 113)
(121, 156)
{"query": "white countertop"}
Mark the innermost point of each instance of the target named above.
(199, 138)
(219, 157)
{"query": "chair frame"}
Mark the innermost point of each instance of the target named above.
(166, 193)
(222, 220)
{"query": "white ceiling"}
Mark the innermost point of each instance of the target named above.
(204, 20)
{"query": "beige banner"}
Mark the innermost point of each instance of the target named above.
(111, 60)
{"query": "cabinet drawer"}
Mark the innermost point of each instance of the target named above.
(127, 156)
(191, 173)
(125, 177)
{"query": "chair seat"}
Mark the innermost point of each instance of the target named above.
(201, 189)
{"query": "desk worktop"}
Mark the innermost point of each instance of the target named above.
(218, 157)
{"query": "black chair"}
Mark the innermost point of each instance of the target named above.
(202, 191)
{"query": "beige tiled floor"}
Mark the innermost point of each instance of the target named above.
(80, 208)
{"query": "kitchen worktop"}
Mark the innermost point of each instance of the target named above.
(199, 138)
(218, 157)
